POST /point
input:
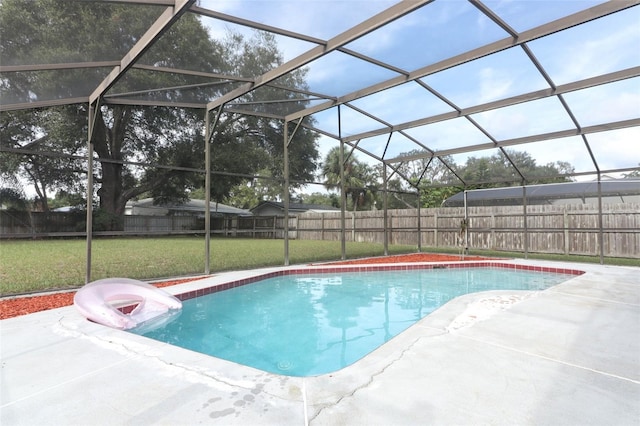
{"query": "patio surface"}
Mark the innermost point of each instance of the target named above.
(569, 355)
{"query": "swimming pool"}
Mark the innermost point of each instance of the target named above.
(307, 324)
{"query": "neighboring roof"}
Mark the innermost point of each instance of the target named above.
(541, 193)
(295, 207)
(190, 206)
(69, 209)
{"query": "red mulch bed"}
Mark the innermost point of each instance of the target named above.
(417, 257)
(14, 307)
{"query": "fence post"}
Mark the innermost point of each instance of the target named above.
(389, 232)
(600, 221)
(524, 218)
(565, 224)
(466, 224)
(295, 221)
(435, 229)
(492, 245)
(419, 228)
(353, 226)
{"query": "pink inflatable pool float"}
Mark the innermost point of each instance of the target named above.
(99, 299)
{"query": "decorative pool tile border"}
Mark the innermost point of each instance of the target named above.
(369, 268)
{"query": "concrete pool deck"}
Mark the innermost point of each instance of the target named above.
(568, 355)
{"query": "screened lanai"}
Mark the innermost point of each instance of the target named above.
(427, 81)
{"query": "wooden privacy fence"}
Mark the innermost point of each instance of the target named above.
(561, 229)
(20, 224)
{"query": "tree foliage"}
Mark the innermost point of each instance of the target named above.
(26, 132)
(249, 194)
(360, 180)
(318, 198)
(12, 199)
(502, 170)
(632, 174)
(439, 178)
(52, 31)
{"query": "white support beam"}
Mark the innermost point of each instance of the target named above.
(152, 103)
(543, 30)
(61, 66)
(43, 104)
(501, 103)
(144, 2)
(391, 14)
(635, 122)
(162, 24)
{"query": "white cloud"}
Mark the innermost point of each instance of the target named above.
(526, 119)
(319, 18)
(594, 48)
(607, 103)
(503, 74)
(403, 103)
(616, 149)
(602, 46)
(493, 84)
(448, 134)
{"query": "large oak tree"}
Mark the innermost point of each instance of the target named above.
(54, 31)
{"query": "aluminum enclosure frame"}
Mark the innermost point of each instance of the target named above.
(232, 103)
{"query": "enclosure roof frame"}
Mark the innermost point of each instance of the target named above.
(318, 102)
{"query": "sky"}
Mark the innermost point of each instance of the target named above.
(449, 27)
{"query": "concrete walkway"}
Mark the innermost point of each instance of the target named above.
(569, 355)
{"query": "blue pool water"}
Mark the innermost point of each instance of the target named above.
(306, 325)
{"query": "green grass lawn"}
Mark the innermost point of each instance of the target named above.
(31, 266)
(27, 266)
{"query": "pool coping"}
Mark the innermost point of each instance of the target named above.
(328, 269)
(365, 268)
(404, 381)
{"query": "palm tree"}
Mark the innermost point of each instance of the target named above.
(355, 174)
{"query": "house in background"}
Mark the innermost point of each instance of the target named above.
(143, 216)
(274, 208)
(146, 207)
